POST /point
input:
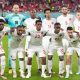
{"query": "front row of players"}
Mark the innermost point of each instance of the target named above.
(35, 45)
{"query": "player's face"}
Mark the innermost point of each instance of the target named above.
(1, 25)
(48, 14)
(78, 15)
(65, 10)
(33, 14)
(20, 31)
(38, 26)
(15, 9)
(70, 33)
(57, 28)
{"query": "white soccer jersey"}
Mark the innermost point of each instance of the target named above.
(76, 25)
(56, 39)
(17, 41)
(65, 21)
(74, 41)
(49, 24)
(29, 23)
(36, 37)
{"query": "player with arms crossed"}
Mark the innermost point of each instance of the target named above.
(17, 49)
(73, 44)
(35, 46)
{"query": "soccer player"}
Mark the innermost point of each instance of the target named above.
(35, 46)
(48, 24)
(30, 24)
(65, 19)
(76, 22)
(17, 49)
(73, 44)
(14, 19)
(3, 31)
(56, 45)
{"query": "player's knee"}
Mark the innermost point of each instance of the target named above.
(61, 58)
(50, 57)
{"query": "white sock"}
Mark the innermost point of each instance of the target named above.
(2, 65)
(29, 69)
(21, 63)
(14, 66)
(49, 66)
(67, 70)
(79, 64)
(43, 69)
(61, 67)
(26, 58)
(38, 62)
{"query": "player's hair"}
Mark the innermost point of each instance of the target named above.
(69, 28)
(19, 26)
(65, 5)
(2, 20)
(57, 24)
(15, 4)
(78, 10)
(47, 9)
(38, 21)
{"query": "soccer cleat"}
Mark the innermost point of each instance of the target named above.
(78, 73)
(3, 77)
(22, 76)
(44, 76)
(61, 75)
(28, 76)
(10, 71)
(67, 76)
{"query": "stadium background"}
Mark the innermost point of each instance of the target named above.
(25, 6)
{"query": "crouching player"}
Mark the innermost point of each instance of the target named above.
(35, 46)
(73, 45)
(3, 31)
(56, 45)
(17, 49)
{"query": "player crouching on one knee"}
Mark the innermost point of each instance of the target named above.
(73, 45)
(3, 31)
(17, 49)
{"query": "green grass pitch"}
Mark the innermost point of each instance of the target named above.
(35, 75)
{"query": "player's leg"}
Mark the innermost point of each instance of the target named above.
(21, 63)
(60, 52)
(3, 64)
(13, 57)
(29, 62)
(78, 54)
(42, 55)
(68, 61)
(9, 57)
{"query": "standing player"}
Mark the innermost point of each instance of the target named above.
(73, 44)
(65, 20)
(30, 24)
(35, 46)
(3, 31)
(17, 49)
(14, 19)
(56, 44)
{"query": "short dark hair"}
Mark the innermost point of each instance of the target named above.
(65, 5)
(69, 28)
(2, 20)
(38, 21)
(19, 26)
(47, 9)
(57, 24)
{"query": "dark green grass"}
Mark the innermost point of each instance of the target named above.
(35, 75)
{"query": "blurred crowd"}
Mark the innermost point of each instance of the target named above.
(38, 5)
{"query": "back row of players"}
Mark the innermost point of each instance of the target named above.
(42, 38)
